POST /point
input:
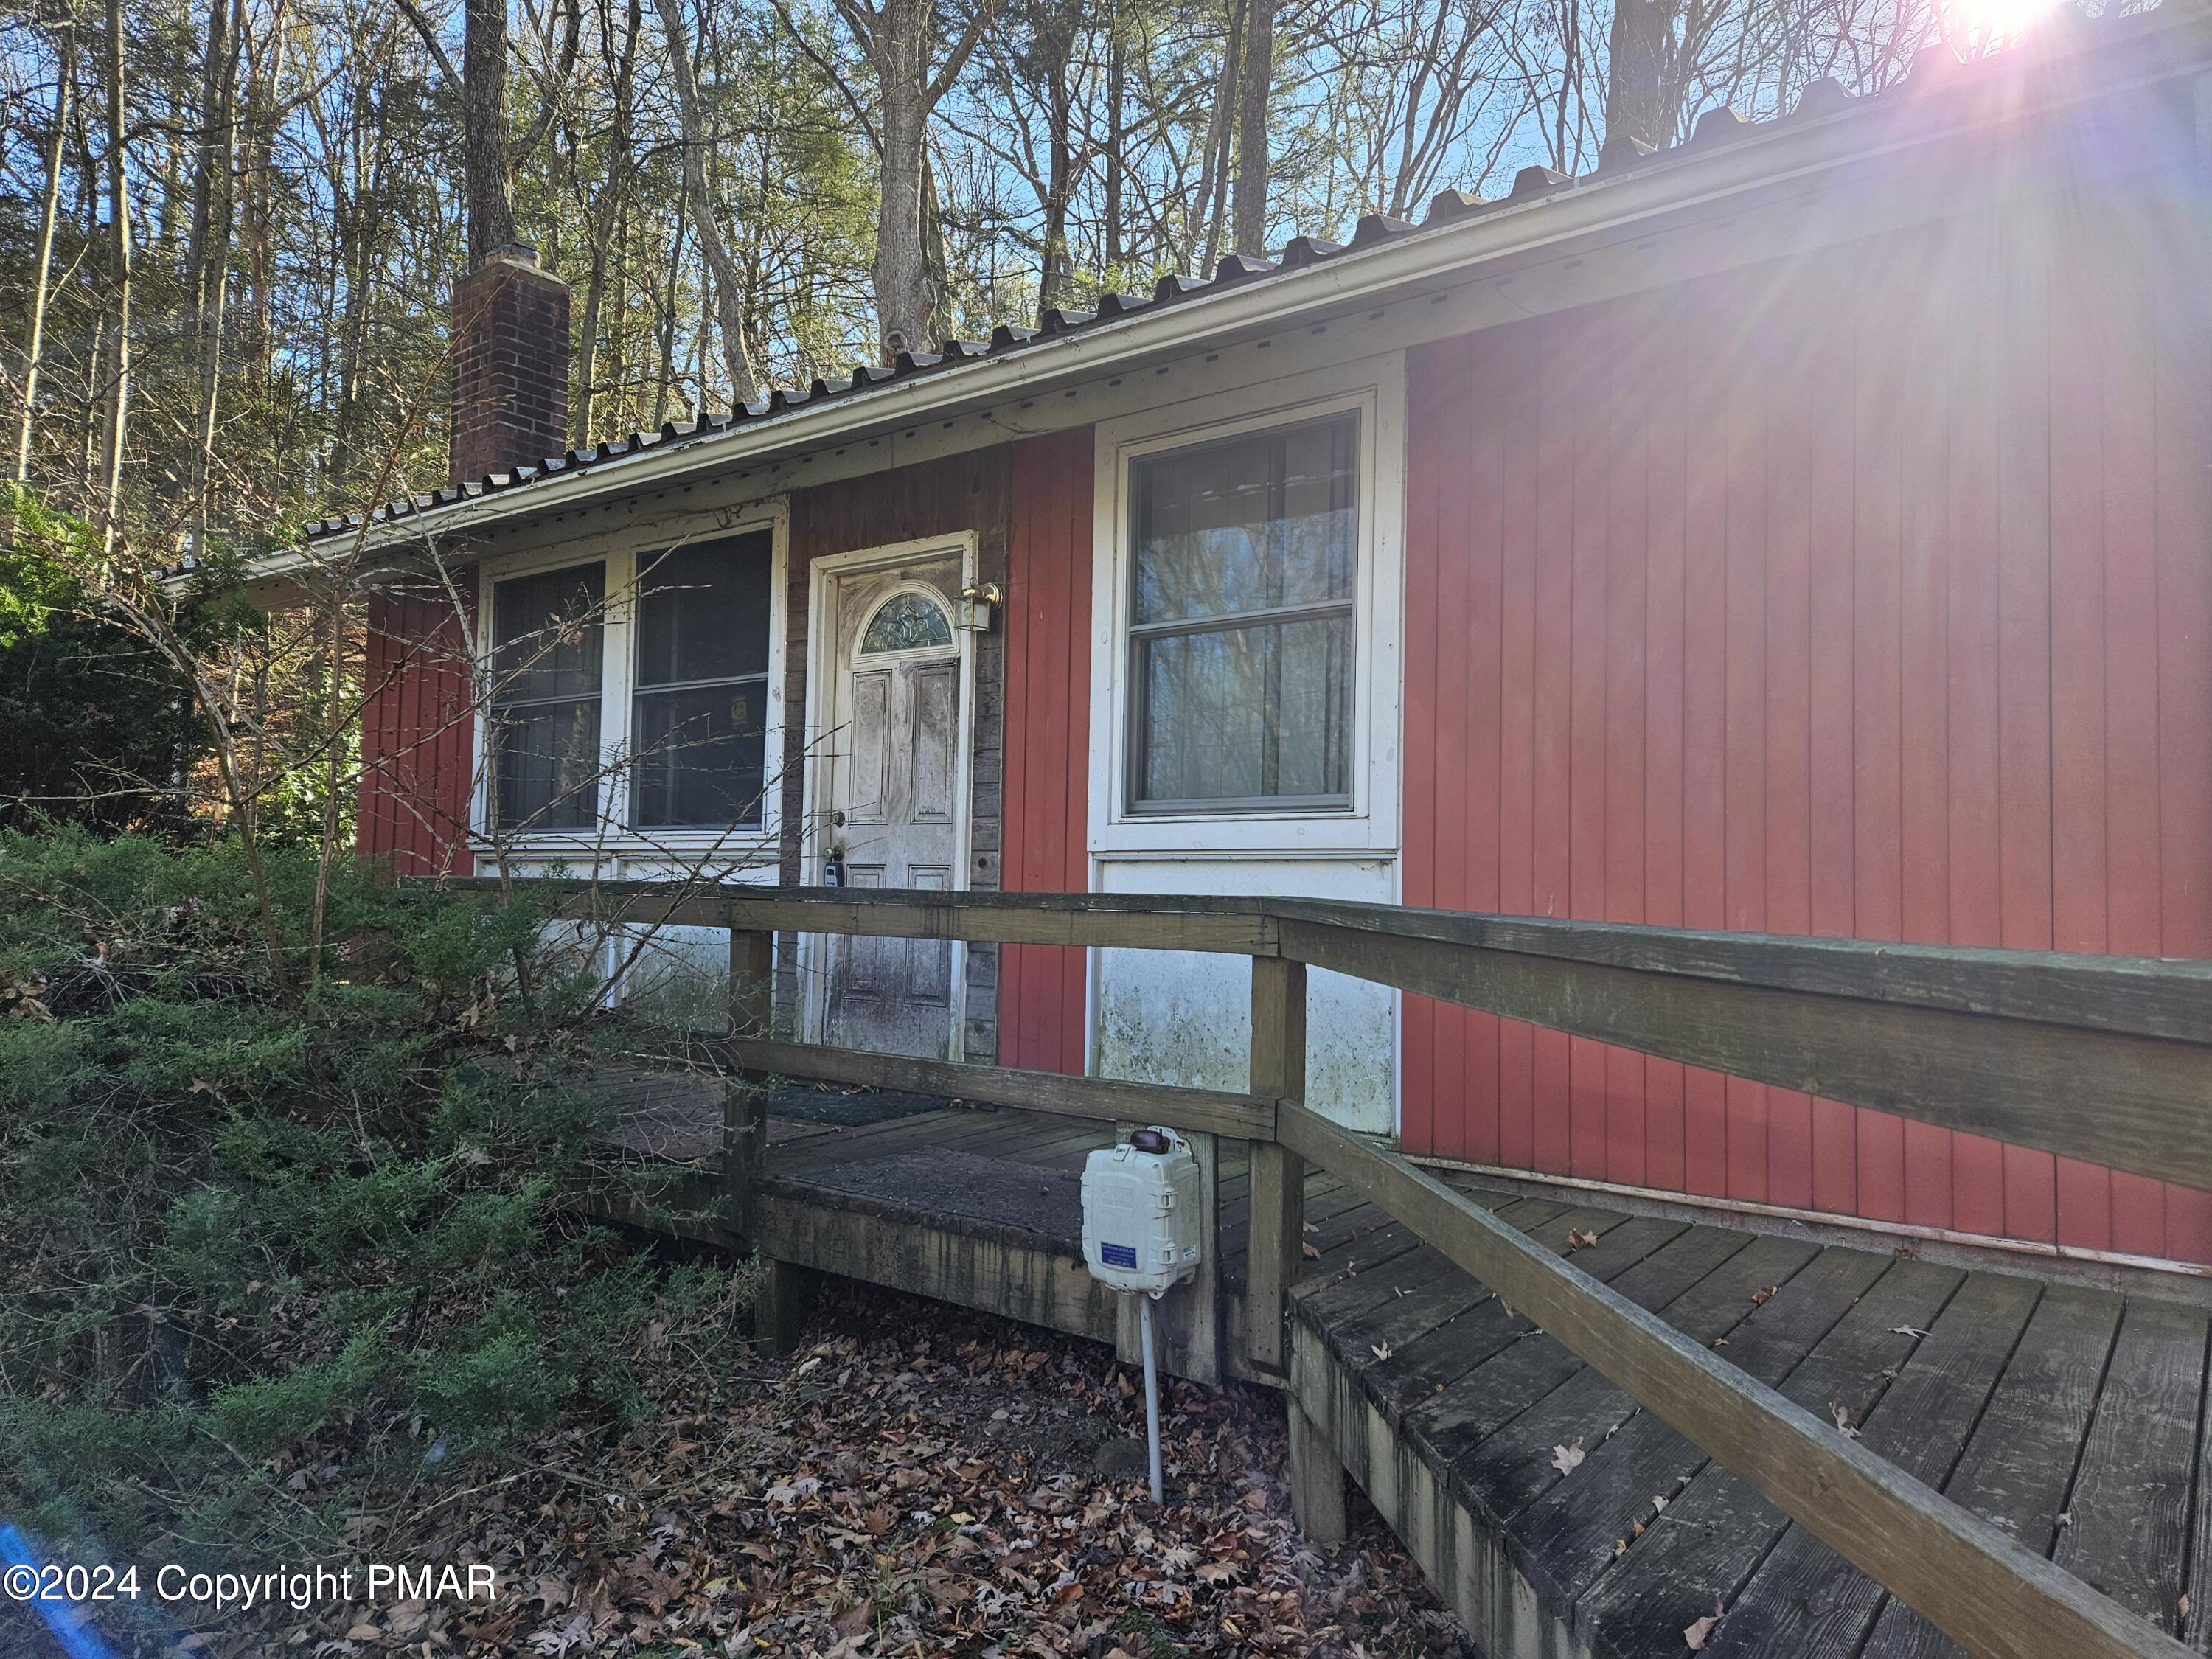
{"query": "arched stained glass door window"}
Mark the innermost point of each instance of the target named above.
(907, 622)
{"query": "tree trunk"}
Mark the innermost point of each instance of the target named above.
(728, 289)
(487, 177)
(936, 269)
(1059, 166)
(1117, 88)
(1253, 102)
(258, 177)
(1213, 179)
(904, 303)
(49, 212)
(667, 298)
(1642, 99)
(211, 227)
(611, 197)
(119, 210)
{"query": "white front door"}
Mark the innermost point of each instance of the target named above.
(897, 796)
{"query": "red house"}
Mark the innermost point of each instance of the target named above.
(1807, 531)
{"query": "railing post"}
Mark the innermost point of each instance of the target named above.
(1278, 1208)
(744, 1108)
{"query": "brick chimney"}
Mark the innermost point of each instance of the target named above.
(510, 366)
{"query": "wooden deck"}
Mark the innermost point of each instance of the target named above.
(1556, 1516)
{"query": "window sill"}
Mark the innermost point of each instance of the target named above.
(744, 844)
(1243, 833)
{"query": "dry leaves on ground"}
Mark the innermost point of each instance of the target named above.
(916, 1479)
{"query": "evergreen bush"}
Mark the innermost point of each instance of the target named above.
(280, 1233)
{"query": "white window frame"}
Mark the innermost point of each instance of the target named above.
(1373, 388)
(614, 842)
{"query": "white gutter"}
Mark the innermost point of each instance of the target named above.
(1769, 156)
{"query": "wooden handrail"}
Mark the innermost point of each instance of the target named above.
(2104, 1058)
(1105, 1099)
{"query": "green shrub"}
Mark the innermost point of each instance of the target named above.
(260, 1213)
(496, 1377)
(43, 1062)
(258, 1416)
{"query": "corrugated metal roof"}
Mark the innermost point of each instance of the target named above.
(1937, 76)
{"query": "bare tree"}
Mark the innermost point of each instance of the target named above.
(916, 58)
(1256, 97)
(117, 430)
(729, 286)
(49, 212)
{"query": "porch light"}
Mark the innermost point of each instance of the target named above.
(977, 602)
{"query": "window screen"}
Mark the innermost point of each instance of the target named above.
(1241, 619)
(700, 711)
(544, 713)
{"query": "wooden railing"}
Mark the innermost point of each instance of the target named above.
(2107, 1060)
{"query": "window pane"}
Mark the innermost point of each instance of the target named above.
(907, 622)
(702, 611)
(1248, 714)
(1250, 524)
(545, 761)
(699, 757)
(548, 630)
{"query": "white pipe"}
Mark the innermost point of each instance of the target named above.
(1152, 1392)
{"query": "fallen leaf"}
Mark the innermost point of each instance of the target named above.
(1906, 1330)
(854, 1619)
(2184, 1607)
(1658, 1504)
(1568, 1458)
(1381, 1350)
(1311, 1254)
(1760, 1297)
(2066, 1518)
(1619, 1549)
(1696, 1634)
(1580, 1241)
(1842, 1415)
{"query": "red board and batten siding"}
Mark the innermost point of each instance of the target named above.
(1042, 1009)
(417, 738)
(1870, 598)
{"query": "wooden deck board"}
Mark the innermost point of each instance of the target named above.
(2130, 1506)
(2073, 1418)
(2020, 1463)
(1805, 1598)
(1699, 1543)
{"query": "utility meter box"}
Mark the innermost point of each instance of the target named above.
(1141, 1212)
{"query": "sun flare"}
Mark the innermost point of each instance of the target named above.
(1983, 24)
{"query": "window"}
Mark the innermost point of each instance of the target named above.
(700, 704)
(544, 715)
(907, 622)
(1241, 630)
